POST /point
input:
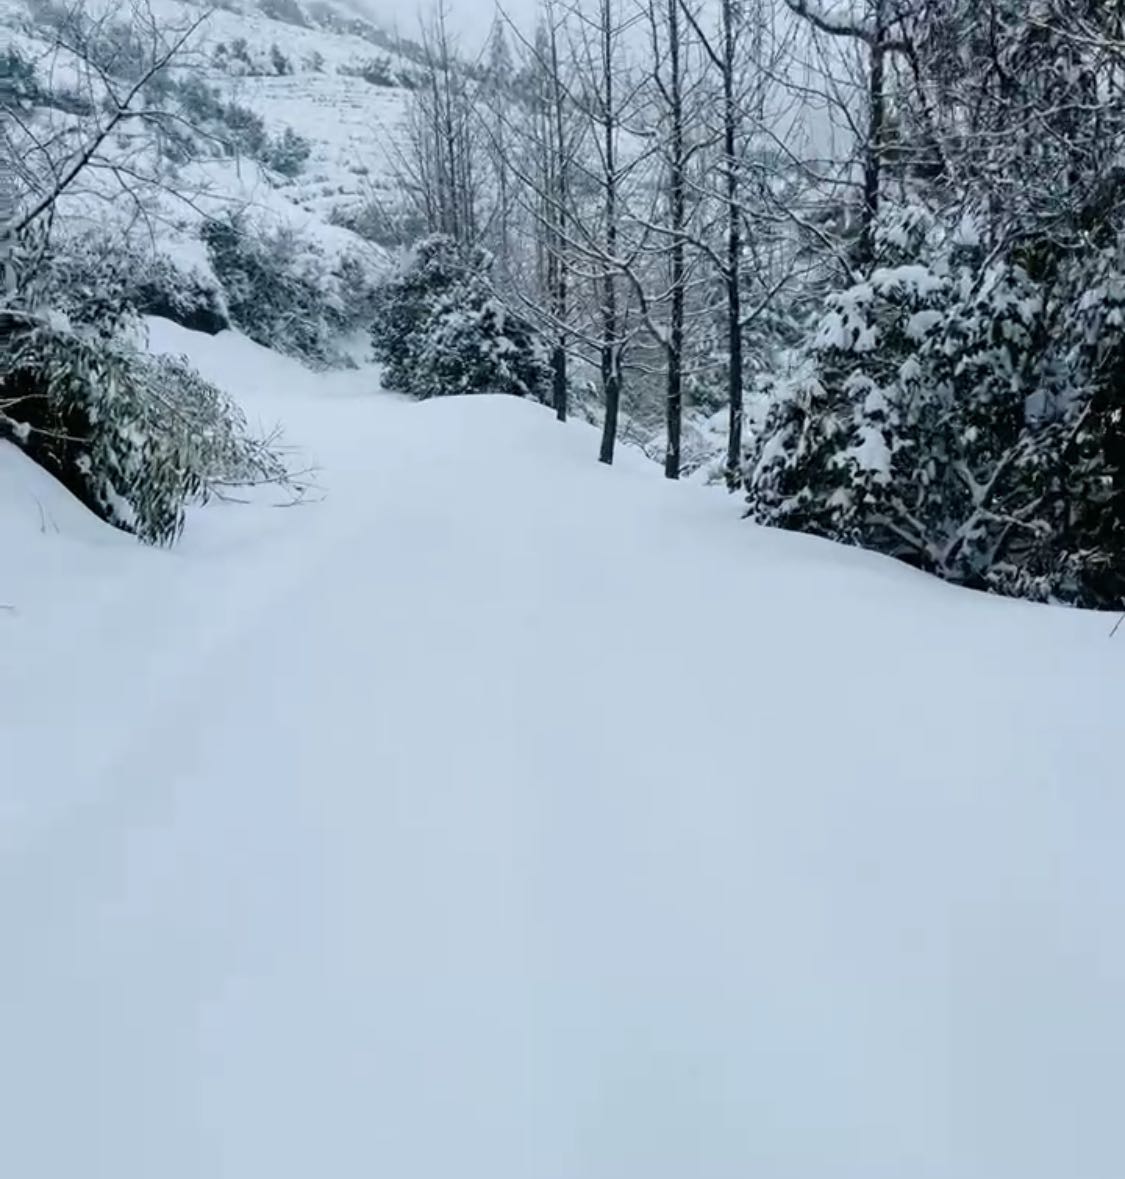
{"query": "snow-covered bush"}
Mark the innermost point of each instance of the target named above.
(287, 154)
(376, 70)
(243, 131)
(285, 291)
(826, 459)
(281, 64)
(439, 329)
(243, 60)
(963, 415)
(135, 437)
(390, 225)
(19, 87)
(96, 279)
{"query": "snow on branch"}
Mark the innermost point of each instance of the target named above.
(838, 25)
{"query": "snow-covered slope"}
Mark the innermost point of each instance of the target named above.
(506, 815)
(355, 130)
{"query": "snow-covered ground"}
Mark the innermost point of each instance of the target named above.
(504, 815)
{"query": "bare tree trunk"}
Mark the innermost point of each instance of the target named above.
(674, 402)
(876, 135)
(560, 285)
(610, 352)
(733, 276)
(724, 58)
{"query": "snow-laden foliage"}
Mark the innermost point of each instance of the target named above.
(962, 416)
(137, 438)
(440, 329)
(285, 291)
(392, 228)
(19, 87)
(964, 399)
(96, 278)
(824, 459)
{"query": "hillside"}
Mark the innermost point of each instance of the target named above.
(354, 126)
(247, 82)
(404, 832)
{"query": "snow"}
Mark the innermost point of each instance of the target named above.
(968, 232)
(916, 280)
(921, 323)
(501, 814)
(357, 131)
(872, 453)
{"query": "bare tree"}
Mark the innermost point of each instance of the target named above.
(605, 111)
(560, 152)
(751, 63)
(725, 58)
(439, 166)
(50, 159)
(574, 179)
(669, 82)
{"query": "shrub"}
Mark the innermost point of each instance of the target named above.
(281, 64)
(378, 72)
(390, 227)
(246, 132)
(135, 438)
(199, 102)
(439, 329)
(113, 47)
(18, 84)
(285, 292)
(288, 153)
(964, 416)
(96, 280)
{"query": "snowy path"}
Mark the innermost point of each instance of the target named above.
(507, 817)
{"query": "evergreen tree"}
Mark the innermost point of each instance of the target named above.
(440, 329)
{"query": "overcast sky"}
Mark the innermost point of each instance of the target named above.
(472, 21)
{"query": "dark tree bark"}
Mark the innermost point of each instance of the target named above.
(610, 349)
(733, 276)
(876, 134)
(724, 58)
(560, 278)
(677, 164)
